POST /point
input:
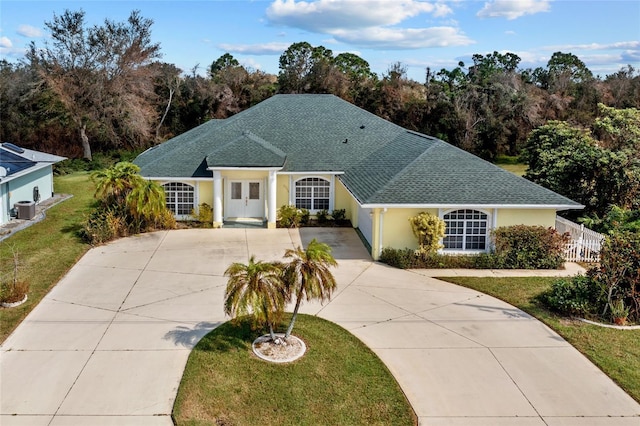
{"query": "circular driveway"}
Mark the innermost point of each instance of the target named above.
(108, 344)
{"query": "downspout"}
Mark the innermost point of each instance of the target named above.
(380, 230)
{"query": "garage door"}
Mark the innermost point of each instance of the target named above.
(365, 224)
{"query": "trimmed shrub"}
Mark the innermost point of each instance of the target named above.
(402, 259)
(529, 247)
(407, 258)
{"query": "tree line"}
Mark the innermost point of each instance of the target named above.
(104, 87)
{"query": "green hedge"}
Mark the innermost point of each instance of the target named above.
(516, 247)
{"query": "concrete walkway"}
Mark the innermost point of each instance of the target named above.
(107, 346)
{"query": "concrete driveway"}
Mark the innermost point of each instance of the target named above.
(107, 346)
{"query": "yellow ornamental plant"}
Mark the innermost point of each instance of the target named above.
(429, 230)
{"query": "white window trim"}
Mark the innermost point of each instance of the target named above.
(491, 215)
(195, 198)
(292, 190)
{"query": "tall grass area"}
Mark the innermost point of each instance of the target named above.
(339, 381)
(48, 249)
(615, 352)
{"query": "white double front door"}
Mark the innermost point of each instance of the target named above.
(245, 199)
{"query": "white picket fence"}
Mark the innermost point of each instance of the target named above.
(584, 245)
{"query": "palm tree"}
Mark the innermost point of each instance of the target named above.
(256, 288)
(115, 183)
(146, 201)
(308, 276)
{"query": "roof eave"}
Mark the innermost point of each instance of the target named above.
(466, 206)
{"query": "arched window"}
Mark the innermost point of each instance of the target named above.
(312, 194)
(180, 198)
(466, 230)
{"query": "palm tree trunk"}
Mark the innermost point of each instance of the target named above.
(271, 333)
(293, 317)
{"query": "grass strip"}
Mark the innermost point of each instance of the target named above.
(615, 352)
(47, 249)
(339, 381)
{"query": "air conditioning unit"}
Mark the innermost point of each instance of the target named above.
(25, 209)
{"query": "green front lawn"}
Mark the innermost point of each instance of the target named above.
(48, 249)
(517, 169)
(616, 352)
(339, 381)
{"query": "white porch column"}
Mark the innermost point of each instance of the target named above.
(217, 199)
(271, 200)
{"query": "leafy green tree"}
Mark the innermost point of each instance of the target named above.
(567, 68)
(223, 62)
(305, 69)
(353, 66)
(308, 275)
(569, 161)
(619, 128)
(256, 288)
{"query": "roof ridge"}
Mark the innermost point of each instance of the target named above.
(266, 144)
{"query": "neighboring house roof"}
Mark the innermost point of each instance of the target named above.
(381, 164)
(16, 161)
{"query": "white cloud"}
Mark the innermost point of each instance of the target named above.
(512, 9)
(404, 38)
(29, 31)
(250, 63)
(329, 15)
(5, 43)
(8, 49)
(596, 46)
(255, 49)
(368, 23)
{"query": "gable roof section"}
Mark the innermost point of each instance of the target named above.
(381, 164)
(248, 150)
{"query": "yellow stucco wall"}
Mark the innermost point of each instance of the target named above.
(344, 200)
(396, 230)
(206, 192)
(538, 217)
(282, 192)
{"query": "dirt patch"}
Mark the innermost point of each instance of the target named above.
(280, 350)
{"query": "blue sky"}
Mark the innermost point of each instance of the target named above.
(419, 34)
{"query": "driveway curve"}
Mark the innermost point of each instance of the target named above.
(108, 344)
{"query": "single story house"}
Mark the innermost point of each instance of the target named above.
(321, 152)
(26, 177)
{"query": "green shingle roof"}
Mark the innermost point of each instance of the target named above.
(247, 150)
(382, 163)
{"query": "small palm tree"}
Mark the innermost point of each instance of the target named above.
(308, 276)
(146, 201)
(256, 288)
(115, 183)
